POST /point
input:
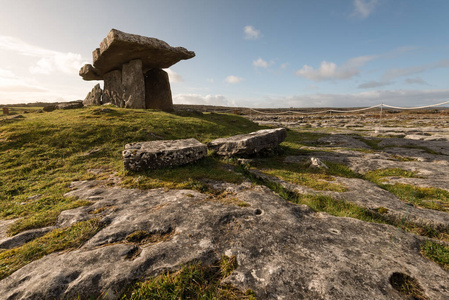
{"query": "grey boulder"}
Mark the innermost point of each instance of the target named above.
(247, 144)
(161, 154)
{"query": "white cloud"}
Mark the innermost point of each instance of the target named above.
(251, 33)
(49, 61)
(233, 79)
(330, 70)
(202, 100)
(364, 8)
(262, 63)
(284, 65)
(173, 76)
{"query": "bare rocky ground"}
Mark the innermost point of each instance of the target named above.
(284, 250)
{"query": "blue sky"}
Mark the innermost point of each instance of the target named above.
(322, 53)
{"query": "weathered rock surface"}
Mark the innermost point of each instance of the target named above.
(284, 251)
(157, 90)
(161, 154)
(113, 89)
(133, 84)
(247, 144)
(94, 96)
(119, 48)
(71, 105)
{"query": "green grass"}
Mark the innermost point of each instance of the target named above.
(437, 252)
(341, 208)
(56, 240)
(426, 197)
(302, 174)
(42, 153)
(193, 281)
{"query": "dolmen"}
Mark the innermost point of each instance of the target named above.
(131, 67)
(170, 153)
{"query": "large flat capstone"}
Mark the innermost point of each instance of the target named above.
(162, 154)
(119, 48)
(247, 144)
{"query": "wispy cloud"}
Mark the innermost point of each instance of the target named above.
(11, 83)
(416, 80)
(49, 61)
(233, 79)
(330, 70)
(374, 84)
(262, 63)
(399, 72)
(251, 33)
(364, 8)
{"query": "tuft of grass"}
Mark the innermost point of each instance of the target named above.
(56, 240)
(144, 237)
(341, 208)
(46, 216)
(431, 198)
(302, 174)
(193, 281)
(437, 252)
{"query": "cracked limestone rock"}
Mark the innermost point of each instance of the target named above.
(283, 250)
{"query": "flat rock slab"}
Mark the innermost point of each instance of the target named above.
(283, 250)
(247, 144)
(119, 48)
(162, 154)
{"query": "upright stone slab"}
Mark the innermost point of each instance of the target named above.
(94, 96)
(162, 154)
(157, 90)
(134, 84)
(113, 88)
(247, 144)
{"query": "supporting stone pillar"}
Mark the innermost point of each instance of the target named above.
(94, 96)
(133, 84)
(157, 90)
(113, 88)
